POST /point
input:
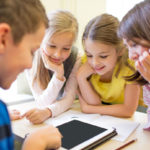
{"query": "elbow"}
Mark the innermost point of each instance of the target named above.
(129, 113)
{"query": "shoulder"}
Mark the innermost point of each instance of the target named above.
(4, 113)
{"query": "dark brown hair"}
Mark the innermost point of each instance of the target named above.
(136, 24)
(23, 16)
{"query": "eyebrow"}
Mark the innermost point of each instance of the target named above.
(98, 53)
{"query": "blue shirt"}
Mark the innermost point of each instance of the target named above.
(6, 136)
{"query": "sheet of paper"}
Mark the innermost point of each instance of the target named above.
(123, 127)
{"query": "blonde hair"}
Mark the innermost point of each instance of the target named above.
(60, 21)
(103, 28)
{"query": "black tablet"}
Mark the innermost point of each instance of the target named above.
(79, 134)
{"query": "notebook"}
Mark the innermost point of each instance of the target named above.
(78, 134)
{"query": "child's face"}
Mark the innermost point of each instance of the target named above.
(58, 48)
(136, 50)
(17, 57)
(101, 57)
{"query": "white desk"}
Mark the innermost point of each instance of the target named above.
(20, 127)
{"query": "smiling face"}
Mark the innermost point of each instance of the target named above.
(101, 57)
(14, 58)
(58, 48)
(136, 50)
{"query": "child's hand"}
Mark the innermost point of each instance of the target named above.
(37, 116)
(58, 69)
(143, 65)
(15, 115)
(85, 71)
(45, 138)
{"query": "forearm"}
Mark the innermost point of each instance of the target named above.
(88, 93)
(32, 144)
(49, 95)
(118, 110)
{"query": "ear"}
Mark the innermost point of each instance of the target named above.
(4, 32)
(120, 53)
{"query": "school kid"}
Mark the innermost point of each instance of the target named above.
(103, 88)
(135, 32)
(22, 27)
(53, 75)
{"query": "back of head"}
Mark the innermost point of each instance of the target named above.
(61, 21)
(103, 29)
(23, 16)
(136, 23)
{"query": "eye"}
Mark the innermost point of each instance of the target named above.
(103, 56)
(89, 56)
(52, 46)
(133, 45)
(66, 49)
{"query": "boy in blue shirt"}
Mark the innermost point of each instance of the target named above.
(22, 27)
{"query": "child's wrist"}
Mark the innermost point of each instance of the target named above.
(60, 77)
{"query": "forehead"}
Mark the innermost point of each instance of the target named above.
(97, 47)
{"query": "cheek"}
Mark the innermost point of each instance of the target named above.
(66, 55)
(89, 60)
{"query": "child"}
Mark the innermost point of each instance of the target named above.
(53, 75)
(101, 77)
(136, 35)
(22, 27)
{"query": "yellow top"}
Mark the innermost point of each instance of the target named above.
(113, 92)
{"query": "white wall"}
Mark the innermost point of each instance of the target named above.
(119, 8)
(83, 10)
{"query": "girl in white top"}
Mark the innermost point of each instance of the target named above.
(53, 75)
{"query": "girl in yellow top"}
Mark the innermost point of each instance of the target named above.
(101, 78)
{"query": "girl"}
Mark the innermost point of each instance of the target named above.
(101, 77)
(53, 75)
(136, 35)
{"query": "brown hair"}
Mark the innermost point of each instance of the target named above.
(23, 16)
(136, 24)
(103, 29)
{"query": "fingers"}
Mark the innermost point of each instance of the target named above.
(143, 65)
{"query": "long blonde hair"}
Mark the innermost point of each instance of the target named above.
(60, 21)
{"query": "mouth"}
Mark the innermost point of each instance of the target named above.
(99, 68)
(55, 60)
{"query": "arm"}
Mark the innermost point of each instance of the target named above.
(132, 94)
(69, 93)
(49, 95)
(42, 139)
(37, 116)
(85, 87)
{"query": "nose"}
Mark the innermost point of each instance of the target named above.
(95, 62)
(57, 53)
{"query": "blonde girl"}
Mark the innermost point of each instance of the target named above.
(53, 75)
(101, 79)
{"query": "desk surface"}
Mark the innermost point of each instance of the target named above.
(143, 143)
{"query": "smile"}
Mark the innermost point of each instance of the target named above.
(99, 68)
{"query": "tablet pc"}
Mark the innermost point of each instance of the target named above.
(79, 134)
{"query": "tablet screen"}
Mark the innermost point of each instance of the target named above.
(76, 132)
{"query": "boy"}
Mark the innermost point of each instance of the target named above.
(22, 27)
